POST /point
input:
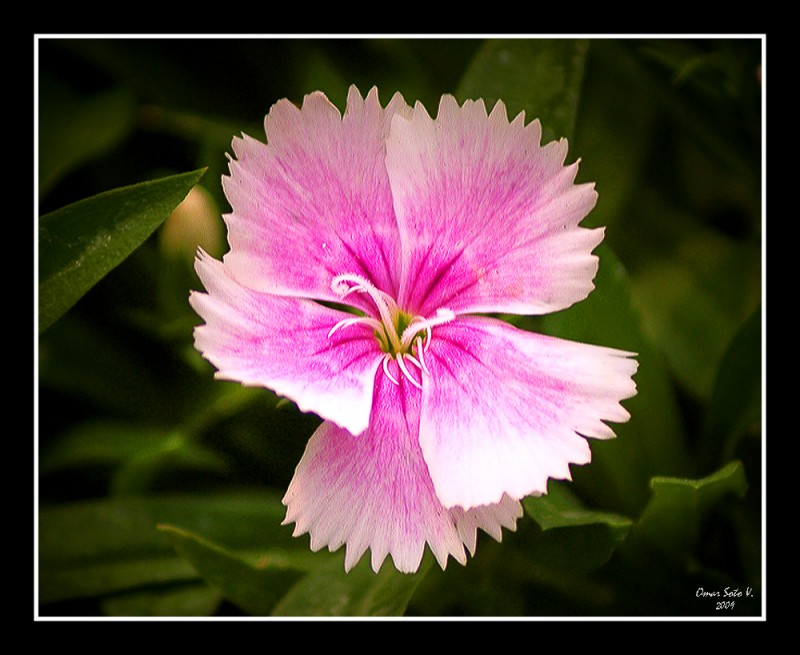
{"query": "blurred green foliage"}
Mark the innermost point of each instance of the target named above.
(159, 487)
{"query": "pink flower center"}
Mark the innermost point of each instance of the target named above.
(403, 337)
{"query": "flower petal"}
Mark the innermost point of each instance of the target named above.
(282, 343)
(503, 410)
(373, 491)
(314, 202)
(488, 218)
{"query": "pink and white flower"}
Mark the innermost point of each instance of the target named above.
(437, 418)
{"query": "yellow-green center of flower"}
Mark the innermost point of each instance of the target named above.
(402, 337)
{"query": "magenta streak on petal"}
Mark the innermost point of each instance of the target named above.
(314, 201)
(282, 343)
(488, 218)
(389, 279)
(505, 410)
(339, 348)
(374, 492)
(362, 266)
(417, 223)
(442, 271)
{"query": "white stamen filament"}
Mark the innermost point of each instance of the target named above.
(391, 317)
(418, 323)
(402, 364)
(386, 305)
(374, 323)
(386, 359)
(421, 350)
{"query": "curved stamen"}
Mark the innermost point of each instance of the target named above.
(387, 307)
(406, 372)
(414, 323)
(415, 326)
(386, 359)
(406, 348)
(413, 360)
(374, 323)
(421, 349)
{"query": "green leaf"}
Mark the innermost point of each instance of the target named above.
(85, 580)
(652, 441)
(98, 443)
(541, 77)
(80, 243)
(74, 129)
(172, 454)
(693, 302)
(180, 600)
(671, 522)
(317, 70)
(575, 539)
(561, 508)
(118, 527)
(140, 452)
(97, 548)
(329, 591)
(254, 588)
(613, 138)
(710, 92)
(87, 361)
(735, 402)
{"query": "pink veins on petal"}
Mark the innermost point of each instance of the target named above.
(363, 249)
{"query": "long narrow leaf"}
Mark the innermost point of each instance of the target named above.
(329, 591)
(254, 589)
(540, 76)
(80, 243)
